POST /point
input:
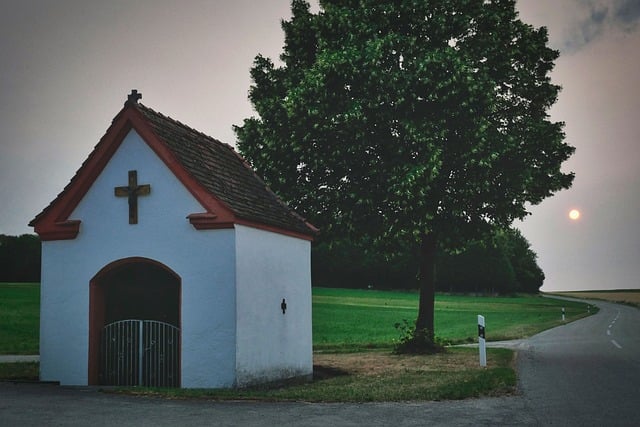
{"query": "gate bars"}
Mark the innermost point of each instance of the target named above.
(140, 353)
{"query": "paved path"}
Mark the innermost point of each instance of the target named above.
(582, 374)
(11, 358)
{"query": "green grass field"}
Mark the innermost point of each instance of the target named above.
(347, 324)
(19, 318)
(352, 319)
(343, 319)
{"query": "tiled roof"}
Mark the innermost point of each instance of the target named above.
(234, 193)
(225, 174)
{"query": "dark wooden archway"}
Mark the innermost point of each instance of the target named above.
(130, 288)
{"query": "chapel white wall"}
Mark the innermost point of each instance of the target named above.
(272, 345)
(204, 260)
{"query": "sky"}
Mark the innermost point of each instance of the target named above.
(66, 67)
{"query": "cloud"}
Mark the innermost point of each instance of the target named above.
(598, 17)
(627, 13)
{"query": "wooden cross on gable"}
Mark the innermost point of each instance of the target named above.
(132, 191)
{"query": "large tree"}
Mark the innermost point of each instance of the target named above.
(422, 122)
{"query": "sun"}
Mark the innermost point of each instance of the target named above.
(574, 214)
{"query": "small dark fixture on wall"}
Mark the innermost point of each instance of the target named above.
(283, 305)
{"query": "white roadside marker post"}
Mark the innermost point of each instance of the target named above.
(481, 342)
(563, 314)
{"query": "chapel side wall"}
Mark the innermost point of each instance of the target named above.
(272, 345)
(204, 261)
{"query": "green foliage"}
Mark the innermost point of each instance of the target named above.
(19, 258)
(415, 341)
(393, 119)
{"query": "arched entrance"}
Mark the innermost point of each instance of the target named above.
(134, 324)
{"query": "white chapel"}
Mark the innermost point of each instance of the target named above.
(167, 262)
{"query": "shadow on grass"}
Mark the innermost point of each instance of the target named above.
(321, 372)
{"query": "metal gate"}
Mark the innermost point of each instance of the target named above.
(140, 352)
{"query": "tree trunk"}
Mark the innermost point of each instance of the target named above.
(426, 278)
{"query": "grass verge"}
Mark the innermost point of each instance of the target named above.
(19, 371)
(377, 377)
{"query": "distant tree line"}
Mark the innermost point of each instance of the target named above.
(19, 258)
(503, 265)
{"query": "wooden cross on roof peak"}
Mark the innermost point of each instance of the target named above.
(132, 191)
(133, 97)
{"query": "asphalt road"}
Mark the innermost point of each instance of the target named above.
(586, 373)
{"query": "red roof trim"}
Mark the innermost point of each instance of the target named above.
(53, 222)
(266, 227)
(209, 221)
(63, 230)
(204, 221)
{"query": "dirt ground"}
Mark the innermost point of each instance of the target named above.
(630, 297)
(380, 363)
